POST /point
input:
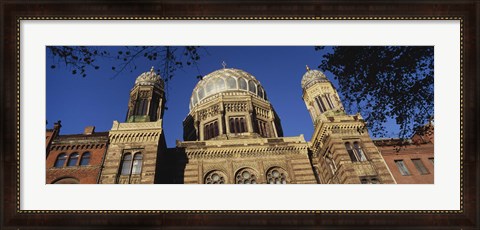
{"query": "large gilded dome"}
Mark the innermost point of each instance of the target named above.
(312, 76)
(226, 80)
(149, 78)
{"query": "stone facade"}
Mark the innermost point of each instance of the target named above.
(136, 145)
(144, 138)
(258, 157)
(342, 150)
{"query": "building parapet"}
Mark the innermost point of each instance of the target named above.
(136, 125)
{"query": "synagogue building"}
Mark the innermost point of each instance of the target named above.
(232, 135)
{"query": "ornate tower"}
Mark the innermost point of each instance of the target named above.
(146, 98)
(342, 150)
(135, 146)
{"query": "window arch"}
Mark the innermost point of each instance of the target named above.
(348, 146)
(126, 164)
(369, 180)
(246, 176)
(355, 153)
(210, 87)
(237, 125)
(67, 180)
(260, 91)
(85, 160)
(215, 177)
(219, 84)
(129, 166)
(137, 163)
(210, 130)
(321, 106)
(242, 83)
(252, 87)
(329, 101)
(231, 83)
(73, 159)
(263, 128)
(194, 99)
(201, 93)
(141, 106)
(276, 175)
(60, 162)
(359, 152)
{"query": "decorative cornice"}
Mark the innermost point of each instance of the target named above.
(117, 126)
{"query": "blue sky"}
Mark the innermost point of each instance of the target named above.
(98, 99)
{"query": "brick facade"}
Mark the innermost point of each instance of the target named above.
(419, 148)
(94, 143)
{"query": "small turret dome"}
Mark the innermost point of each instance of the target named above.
(312, 76)
(149, 78)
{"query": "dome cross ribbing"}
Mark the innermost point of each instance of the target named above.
(226, 79)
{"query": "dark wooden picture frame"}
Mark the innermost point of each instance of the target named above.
(468, 12)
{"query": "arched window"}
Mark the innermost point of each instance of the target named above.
(215, 177)
(237, 125)
(246, 176)
(219, 84)
(61, 158)
(141, 107)
(210, 130)
(126, 164)
(210, 87)
(194, 99)
(201, 93)
(137, 164)
(242, 83)
(231, 83)
(67, 180)
(359, 152)
(252, 87)
(72, 160)
(329, 101)
(85, 158)
(276, 175)
(356, 154)
(320, 104)
(154, 104)
(260, 91)
(369, 180)
(348, 146)
(263, 128)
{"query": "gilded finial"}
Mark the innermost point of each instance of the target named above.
(152, 69)
(308, 68)
(224, 64)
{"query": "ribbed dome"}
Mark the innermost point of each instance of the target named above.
(227, 79)
(149, 78)
(312, 76)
